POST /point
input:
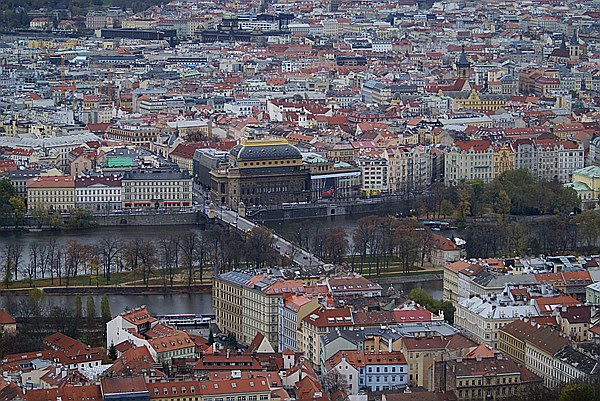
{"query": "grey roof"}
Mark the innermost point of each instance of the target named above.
(589, 171)
(156, 174)
(487, 279)
(20, 174)
(357, 336)
(265, 152)
(462, 60)
(236, 277)
(410, 329)
(52, 142)
(577, 360)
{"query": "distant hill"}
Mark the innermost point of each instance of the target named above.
(13, 13)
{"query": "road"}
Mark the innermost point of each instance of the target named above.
(300, 256)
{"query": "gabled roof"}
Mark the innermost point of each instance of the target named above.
(542, 337)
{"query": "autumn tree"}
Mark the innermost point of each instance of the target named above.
(588, 228)
(582, 391)
(76, 258)
(410, 237)
(335, 245)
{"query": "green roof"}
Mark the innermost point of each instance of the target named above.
(578, 186)
(119, 162)
(589, 171)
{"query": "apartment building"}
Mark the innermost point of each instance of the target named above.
(484, 317)
(156, 188)
(494, 377)
(246, 304)
(319, 322)
(51, 193)
(139, 328)
(375, 371)
(422, 352)
(374, 174)
(236, 389)
(547, 353)
(451, 278)
(549, 158)
(134, 133)
(410, 168)
(504, 159)
(292, 309)
(469, 160)
(98, 194)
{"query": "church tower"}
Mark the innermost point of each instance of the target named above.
(574, 49)
(463, 66)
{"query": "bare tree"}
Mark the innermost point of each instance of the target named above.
(188, 244)
(168, 256)
(34, 258)
(334, 381)
(259, 246)
(109, 249)
(361, 237)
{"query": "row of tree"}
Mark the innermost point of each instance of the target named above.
(379, 241)
(515, 192)
(547, 235)
(175, 258)
(37, 318)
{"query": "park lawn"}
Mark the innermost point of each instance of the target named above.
(78, 281)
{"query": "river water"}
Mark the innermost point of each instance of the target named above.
(174, 303)
(157, 304)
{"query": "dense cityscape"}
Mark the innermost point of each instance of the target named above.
(363, 200)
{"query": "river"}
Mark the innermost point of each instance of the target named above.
(173, 303)
(158, 304)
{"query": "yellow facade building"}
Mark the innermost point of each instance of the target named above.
(504, 159)
(51, 193)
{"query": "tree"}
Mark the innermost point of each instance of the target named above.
(90, 311)
(465, 196)
(78, 308)
(8, 267)
(578, 392)
(588, 228)
(259, 246)
(109, 249)
(335, 244)
(112, 352)
(188, 245)
(18, 206)
(334, 381)
(105, 309)
(446, 208)
(81, 218)
(361, 237)
(410, 240)
(211, 337)
(501, 204)
(421, 297)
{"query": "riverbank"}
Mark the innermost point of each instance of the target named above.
(116, 290)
